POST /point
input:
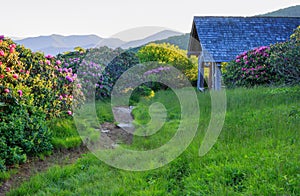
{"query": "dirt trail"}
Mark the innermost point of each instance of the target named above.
(36, 165)
(111, 135)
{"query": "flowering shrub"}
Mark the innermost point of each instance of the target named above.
(52, 86)
(285, 60)
(249, 68)
(68, 92)
(89, 74)
(278, 64)
(71, 59)
(89, 65)
(22, 125)
(33, 88)
(115, 68)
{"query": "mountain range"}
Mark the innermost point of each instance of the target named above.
(55, 44)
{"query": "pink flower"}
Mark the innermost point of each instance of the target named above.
(12, 46)
(0, 63)
(69, 79)
(58, 62)
(49, 56)
(27, 72)
(15, 76)
(6, 90)
(2, 53)
(71, 96)
(237, 60)
(60, 97)
(7, 69)
(20, 93)
(48, 62)
(1, 76)
(69, 112)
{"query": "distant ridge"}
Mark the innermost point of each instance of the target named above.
(157, 36)
(293, 11)
(55, 44)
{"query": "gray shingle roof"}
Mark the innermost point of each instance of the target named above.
(226, 37)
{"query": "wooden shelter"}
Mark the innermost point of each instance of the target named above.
(220, 39)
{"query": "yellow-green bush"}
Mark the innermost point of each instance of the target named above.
(169, 55)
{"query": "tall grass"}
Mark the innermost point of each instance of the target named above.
(257, 153)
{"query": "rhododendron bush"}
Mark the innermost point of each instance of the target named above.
(98, 69)
(275, 65)
(33, 88)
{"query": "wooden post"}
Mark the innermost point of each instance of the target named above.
(218, 76)
(209, 82)
(213, 75)
(200, 81)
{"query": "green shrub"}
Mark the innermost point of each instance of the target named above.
(23, 132)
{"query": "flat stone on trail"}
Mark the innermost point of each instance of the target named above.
(124, 118)
(112, 134)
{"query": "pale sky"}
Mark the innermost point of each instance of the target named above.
(27, 18)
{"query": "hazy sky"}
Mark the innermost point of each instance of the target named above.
(24, 18)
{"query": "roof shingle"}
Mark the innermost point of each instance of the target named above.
(226, 37)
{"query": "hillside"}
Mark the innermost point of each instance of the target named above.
(157, 36)
(181, 41)
(293, 11)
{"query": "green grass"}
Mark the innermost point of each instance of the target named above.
(64, 131)
(257, 153)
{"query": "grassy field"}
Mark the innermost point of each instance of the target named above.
(257, 153)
